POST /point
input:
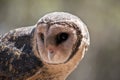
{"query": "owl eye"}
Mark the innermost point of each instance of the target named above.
(61, 37)
(42, 36)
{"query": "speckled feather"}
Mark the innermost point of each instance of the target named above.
(17, 60)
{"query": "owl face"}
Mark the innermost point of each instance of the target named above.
(58, 36)
(55, 42)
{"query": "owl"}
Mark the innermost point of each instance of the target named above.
(49, 50)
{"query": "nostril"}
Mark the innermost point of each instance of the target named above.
(51, 51)
(50, 48)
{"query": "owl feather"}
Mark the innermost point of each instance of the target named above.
(20, 49)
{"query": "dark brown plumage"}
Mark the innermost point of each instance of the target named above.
(20, 58)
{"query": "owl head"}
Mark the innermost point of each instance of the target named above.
(58, 36)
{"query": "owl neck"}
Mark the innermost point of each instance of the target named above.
(61, 71)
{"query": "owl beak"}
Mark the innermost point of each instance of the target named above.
(50, 54)
(50, 51)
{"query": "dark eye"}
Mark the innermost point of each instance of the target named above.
(42, 36)
(61, 37)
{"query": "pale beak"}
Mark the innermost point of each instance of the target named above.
(51, 54)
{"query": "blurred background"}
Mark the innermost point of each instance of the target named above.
(102, 61)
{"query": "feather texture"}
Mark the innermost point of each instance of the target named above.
(24, 52)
